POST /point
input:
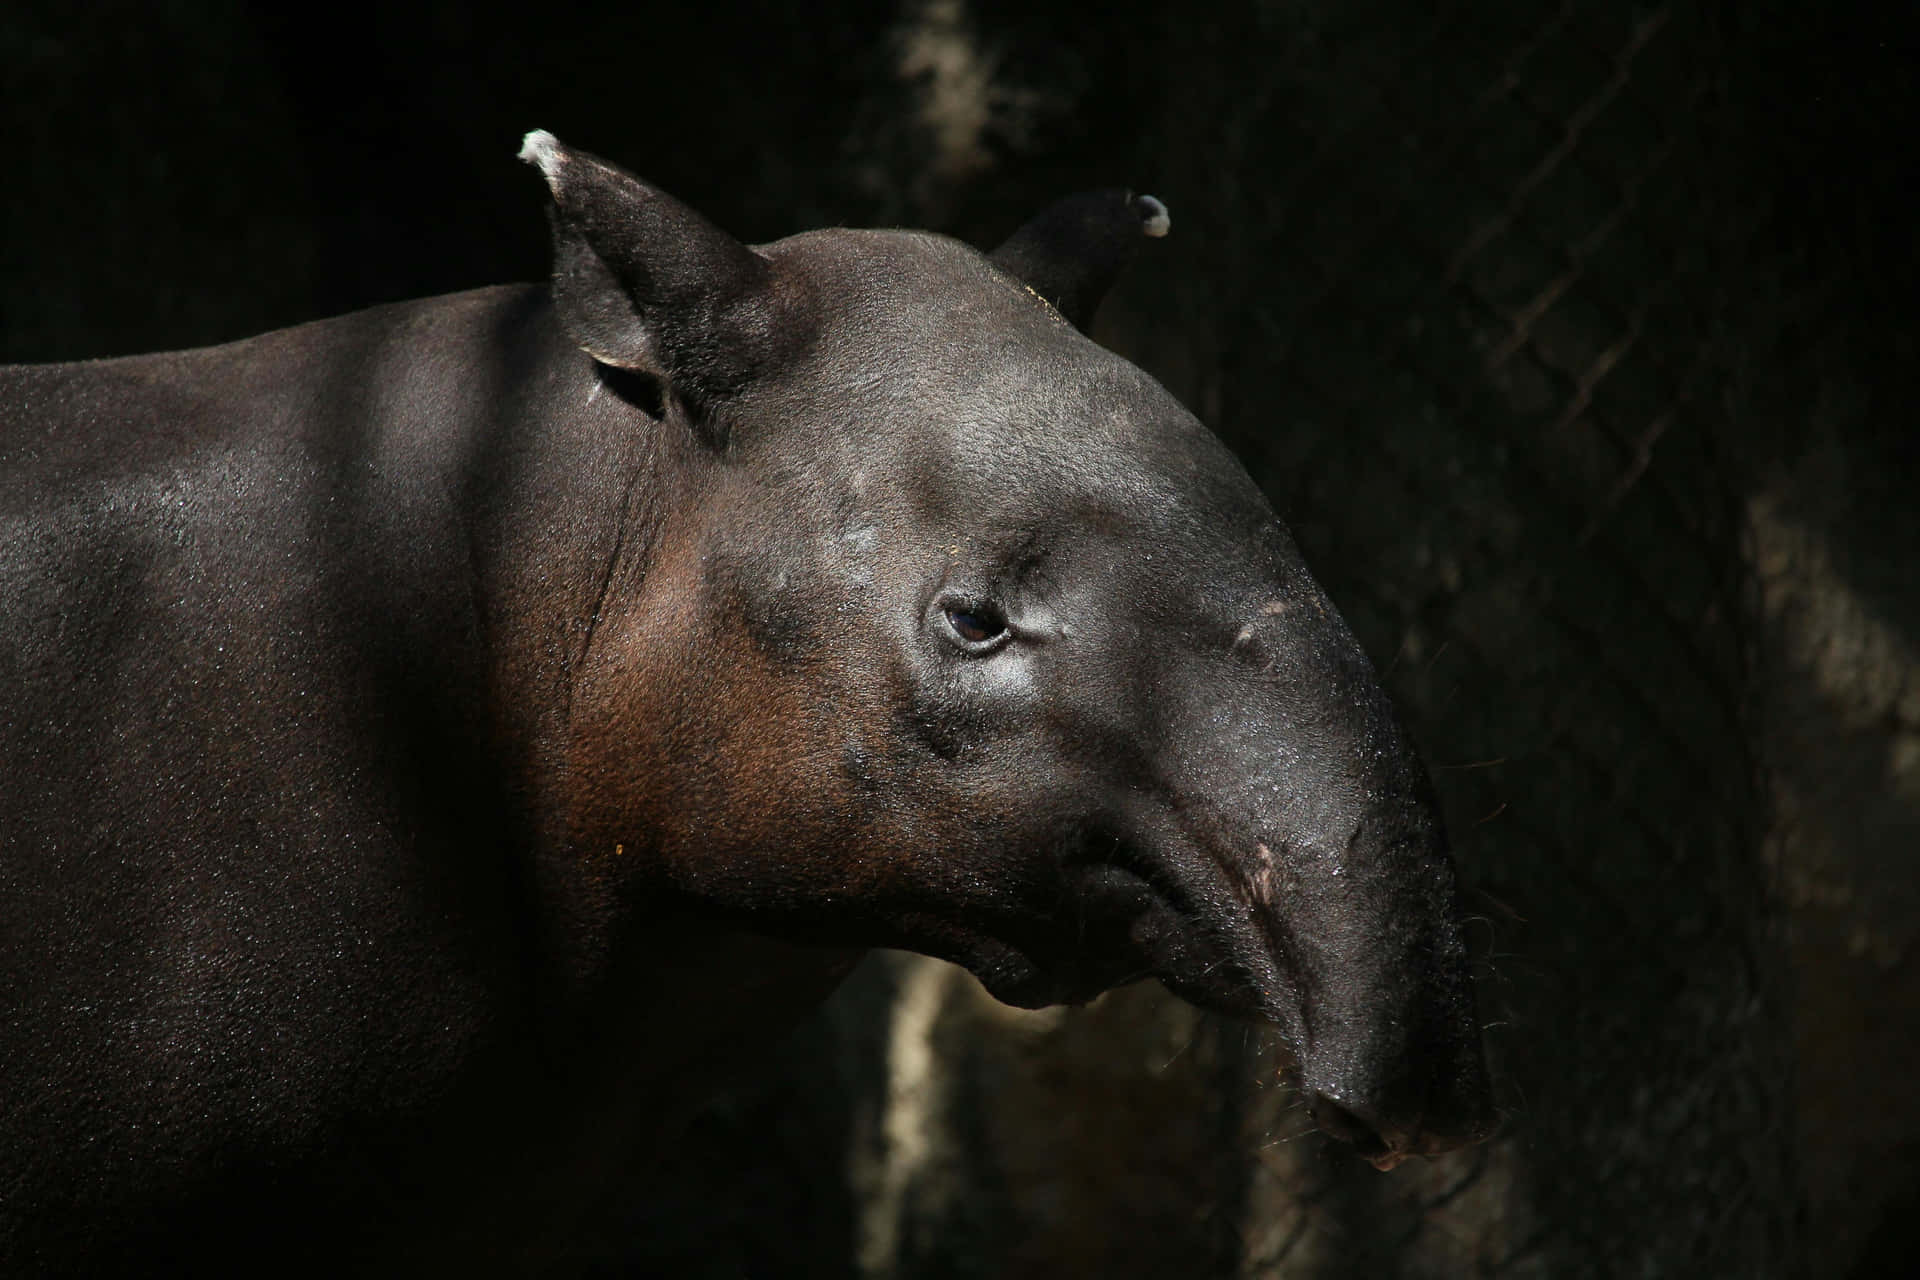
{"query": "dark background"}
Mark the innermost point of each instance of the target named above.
(1573, 339)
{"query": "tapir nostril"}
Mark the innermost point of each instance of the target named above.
(1337, 1121)
(1383, 1145)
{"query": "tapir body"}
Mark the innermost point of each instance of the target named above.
(436, 740)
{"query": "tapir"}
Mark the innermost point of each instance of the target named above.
(436, 743)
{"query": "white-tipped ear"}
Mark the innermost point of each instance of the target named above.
(1156, 222)
(1071, 253)
(542, 149)
(644, 283)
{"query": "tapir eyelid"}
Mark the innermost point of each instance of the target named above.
(978, 627)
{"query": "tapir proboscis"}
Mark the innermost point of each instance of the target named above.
(434, 741)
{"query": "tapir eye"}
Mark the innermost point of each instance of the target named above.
(977, 626)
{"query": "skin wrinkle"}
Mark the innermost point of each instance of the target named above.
(1199, 828)
(598, 607)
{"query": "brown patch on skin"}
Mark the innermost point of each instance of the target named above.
(1275, 608)
(1260, 876)
(1271, 609)
(728, 759)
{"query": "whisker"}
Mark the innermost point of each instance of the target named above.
(1285, 1138)
(1477, 764)
(1184, 1046)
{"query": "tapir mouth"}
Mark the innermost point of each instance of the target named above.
(1133, 917)
(1221, 941)
(1103, 938)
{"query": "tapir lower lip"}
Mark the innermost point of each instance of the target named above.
(1207, 947)
(1125, 904)
(1169, 911)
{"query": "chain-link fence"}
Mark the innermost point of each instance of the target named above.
(1455, 288)
(1515, 311)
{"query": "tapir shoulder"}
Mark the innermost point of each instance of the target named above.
(284, 506)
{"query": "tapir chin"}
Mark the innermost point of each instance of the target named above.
(436, 741)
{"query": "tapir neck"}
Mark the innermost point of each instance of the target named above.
(563, 509)
(555, 480)
(559, 480)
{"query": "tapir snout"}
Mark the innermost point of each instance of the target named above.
(1390, 1057)
(1305, 869)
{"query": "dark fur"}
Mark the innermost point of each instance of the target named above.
(430, 753)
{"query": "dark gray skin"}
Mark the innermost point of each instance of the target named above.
(437, 740)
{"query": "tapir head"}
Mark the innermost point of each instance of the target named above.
(955, 632)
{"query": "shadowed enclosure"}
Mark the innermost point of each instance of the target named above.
(1568, 339)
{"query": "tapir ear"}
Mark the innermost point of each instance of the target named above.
(1071, 254)
(644, 283)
